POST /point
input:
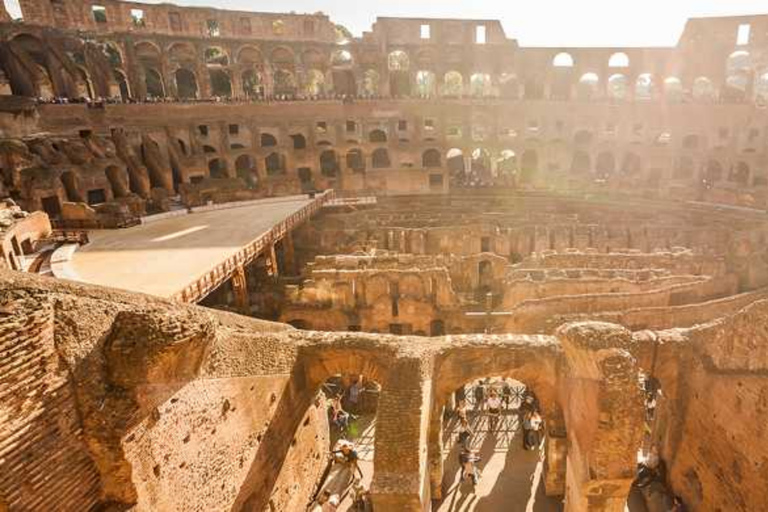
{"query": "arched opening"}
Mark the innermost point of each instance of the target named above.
(480, 168)
(563, 60)
(122, 85)
(253, 83)
(673, 89)
(713, 172)
(154, 83)
(355, 160)
(245, 167)
(431, 158)
(186, 83)
(29, 82)
(618, 60)
(329, 163)
(581, 163)
(343, 77)
(370, 84)
(632, 165)
(399, 76)
(453, 84)
(506, 167)
(221, 84)
(618, 87)
(380, 159)
(605, 166)
(426, 85)
(268, 140)
(529, 164)
(315, 83)
(117, 181)
(284, 82)
(739, 174)
(588, 86)
(703, 89)
(454, 161)
(217, 168)
(299, 141)
(274, 163)
(480, 85)
(378, 136)
(437, 328)
(644, 87)
(71, 188)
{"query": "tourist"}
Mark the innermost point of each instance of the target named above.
(339, 417)
(354, 393)
(480, 396)
(467, 460)
(461, 410)
(346, 453)
(507, 393)
(494, 409)
(465, 433)
(532, 424)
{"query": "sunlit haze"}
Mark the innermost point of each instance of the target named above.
(541, 23)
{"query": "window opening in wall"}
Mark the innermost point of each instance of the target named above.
(426, 32)
(278, 27)
(485, 244)
(351, 126)
(321, 127)
(137, 18)
(402, 125)
(212, 27)
(99, 13)
(429, 125)
(174, 19)
(234, 129)
(245, 26)
(13, 8)
(480, 34)
(97, 196)
(742, 35)
(203, 129)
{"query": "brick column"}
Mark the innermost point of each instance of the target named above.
(604, 416)
(400, 481)
(240, 289)
(289, 255)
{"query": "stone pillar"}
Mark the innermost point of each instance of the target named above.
(289, 255)
(240, 289)
(604, 416)
(271, 256)
(435, 440)
(400, 481)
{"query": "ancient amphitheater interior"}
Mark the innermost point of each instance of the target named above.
(251, 262)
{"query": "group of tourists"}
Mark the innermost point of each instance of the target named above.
(345, 402)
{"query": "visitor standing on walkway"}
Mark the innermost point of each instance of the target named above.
(494, 409)
(354, 394)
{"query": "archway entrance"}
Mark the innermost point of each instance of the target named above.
(495, 423)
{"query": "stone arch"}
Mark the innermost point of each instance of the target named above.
(249, 55)
(26, 81)
(216, 56)
(355, 160)
(605, 166)
(268, 140)
(426, 84)
(673, 89)
(618, 87)
(315, 85)
(252, 83)
(480, 85)
(618, 60)
(581, 163)
(380, 159)
(274, 164)
(644, 86)
(122, 84)
(398, 63)
(245, 168)
(221, 83)
(588, 86)
(314, 59)
(377, 136)
(186, 83)
(329, 163)
(370, 83)
(703, 89)
(431, 159)
(562, 60)
(453, 84)
(283, 58)
(284, 82)
(217, 168)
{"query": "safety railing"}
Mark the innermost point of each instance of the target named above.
(219, 274)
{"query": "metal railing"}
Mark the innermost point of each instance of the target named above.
(219, 274)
